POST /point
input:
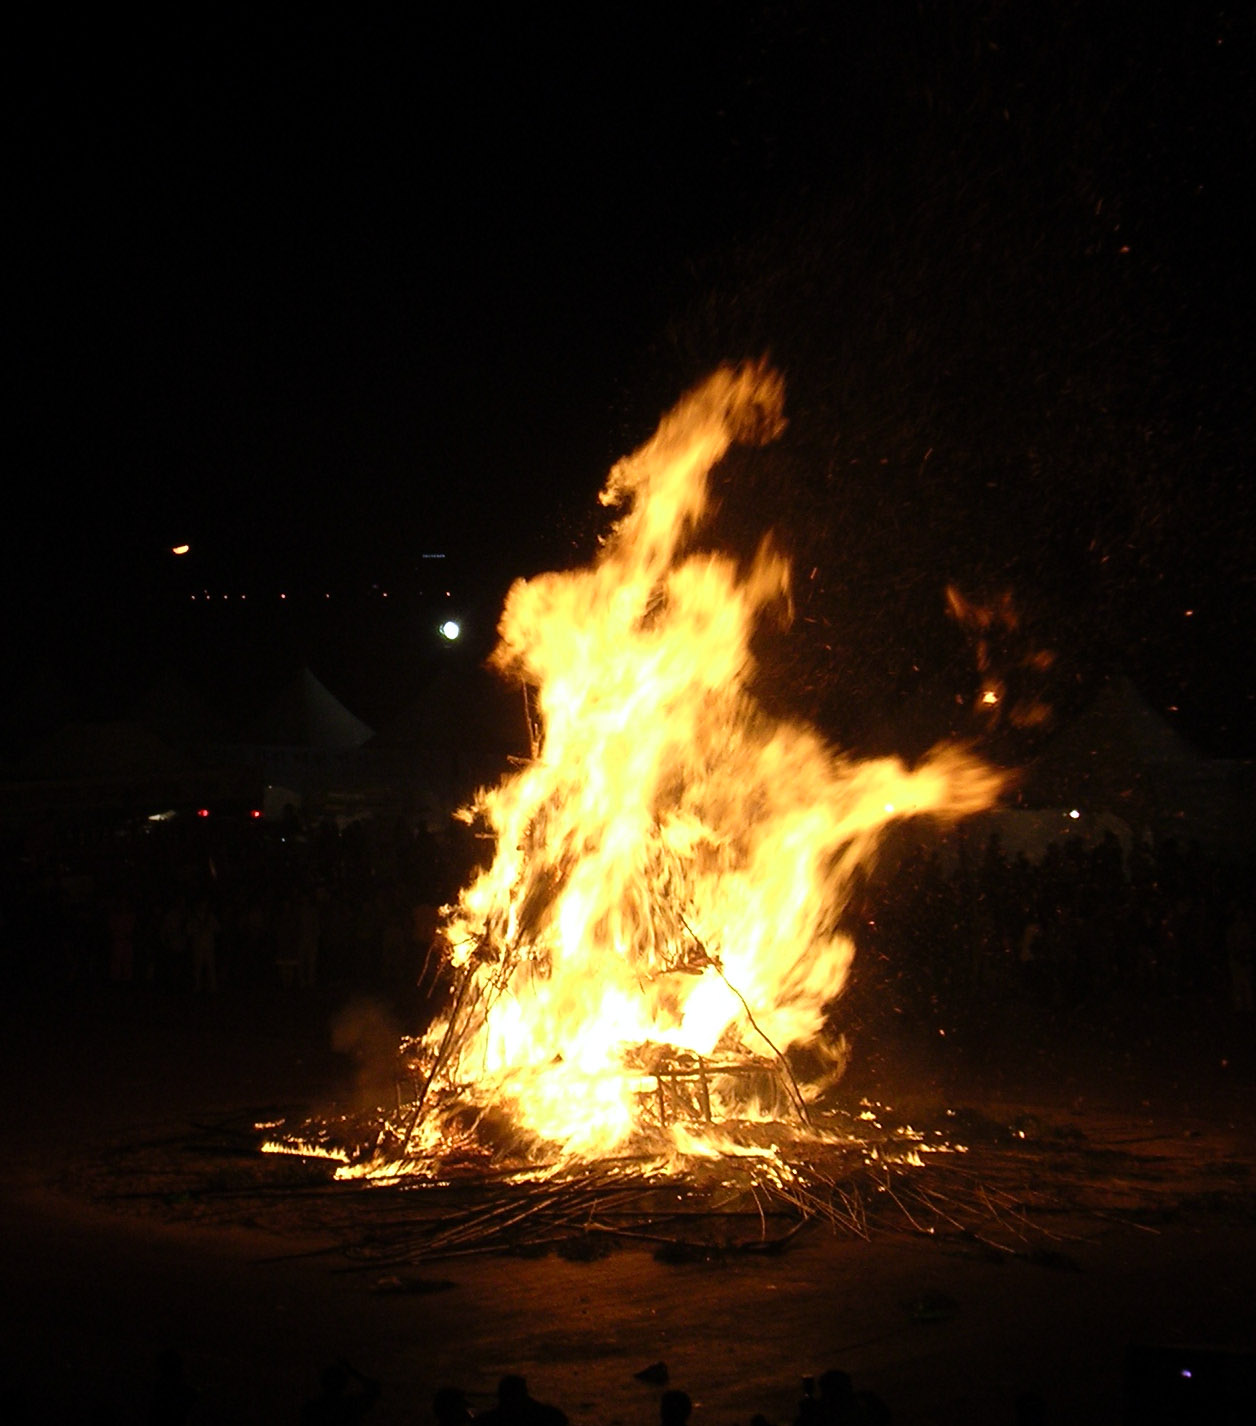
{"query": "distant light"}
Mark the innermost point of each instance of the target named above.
(180, 549)
(283, 596)
(989, 697)
(450, 629)
(256, 813)
(1074, 814)
(202, 811)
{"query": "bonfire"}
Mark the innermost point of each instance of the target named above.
(652, 956)
(642, 1014)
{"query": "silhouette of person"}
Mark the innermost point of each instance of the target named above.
(449, 1407)
(173, 1395)
(1238, 949)
(516, 1408)
(675, 1408)
(121, 938)
(833, 1406)
(1031, 1409)
(336, 1405)
(202, 935)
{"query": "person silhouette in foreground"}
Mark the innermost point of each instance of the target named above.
(336, 1405)
(449, 1407)
(832, 1405)
(837, 1403)
(1031, 1409)
(516, 1408)
(173, 1395)
(674, 1408)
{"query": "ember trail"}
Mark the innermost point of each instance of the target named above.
(653, 944)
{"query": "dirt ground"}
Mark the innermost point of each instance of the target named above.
(102, 1265)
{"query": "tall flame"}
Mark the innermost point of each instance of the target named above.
(671, 867)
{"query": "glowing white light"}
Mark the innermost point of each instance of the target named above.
(450, 629)
(180, 549)
(1074, 814)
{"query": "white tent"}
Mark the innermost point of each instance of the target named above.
(308, 717)
(1120, 758)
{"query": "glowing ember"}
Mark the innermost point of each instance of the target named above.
(657, 930)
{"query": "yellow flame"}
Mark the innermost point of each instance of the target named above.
(671, 868)
(303, 1149)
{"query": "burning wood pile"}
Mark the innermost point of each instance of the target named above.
(650, 959)
(1027, 1189)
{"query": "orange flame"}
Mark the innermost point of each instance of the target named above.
(671, 867)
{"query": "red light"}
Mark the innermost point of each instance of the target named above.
(202, 811)
(255, 814)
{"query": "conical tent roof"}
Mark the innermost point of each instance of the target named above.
(307, 715)
(1119, 755)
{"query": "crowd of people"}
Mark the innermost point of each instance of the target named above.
(347, 1395)
(959, 926)
(832, 1401)
(198, 904)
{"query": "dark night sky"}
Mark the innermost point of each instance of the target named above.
(321, 298)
